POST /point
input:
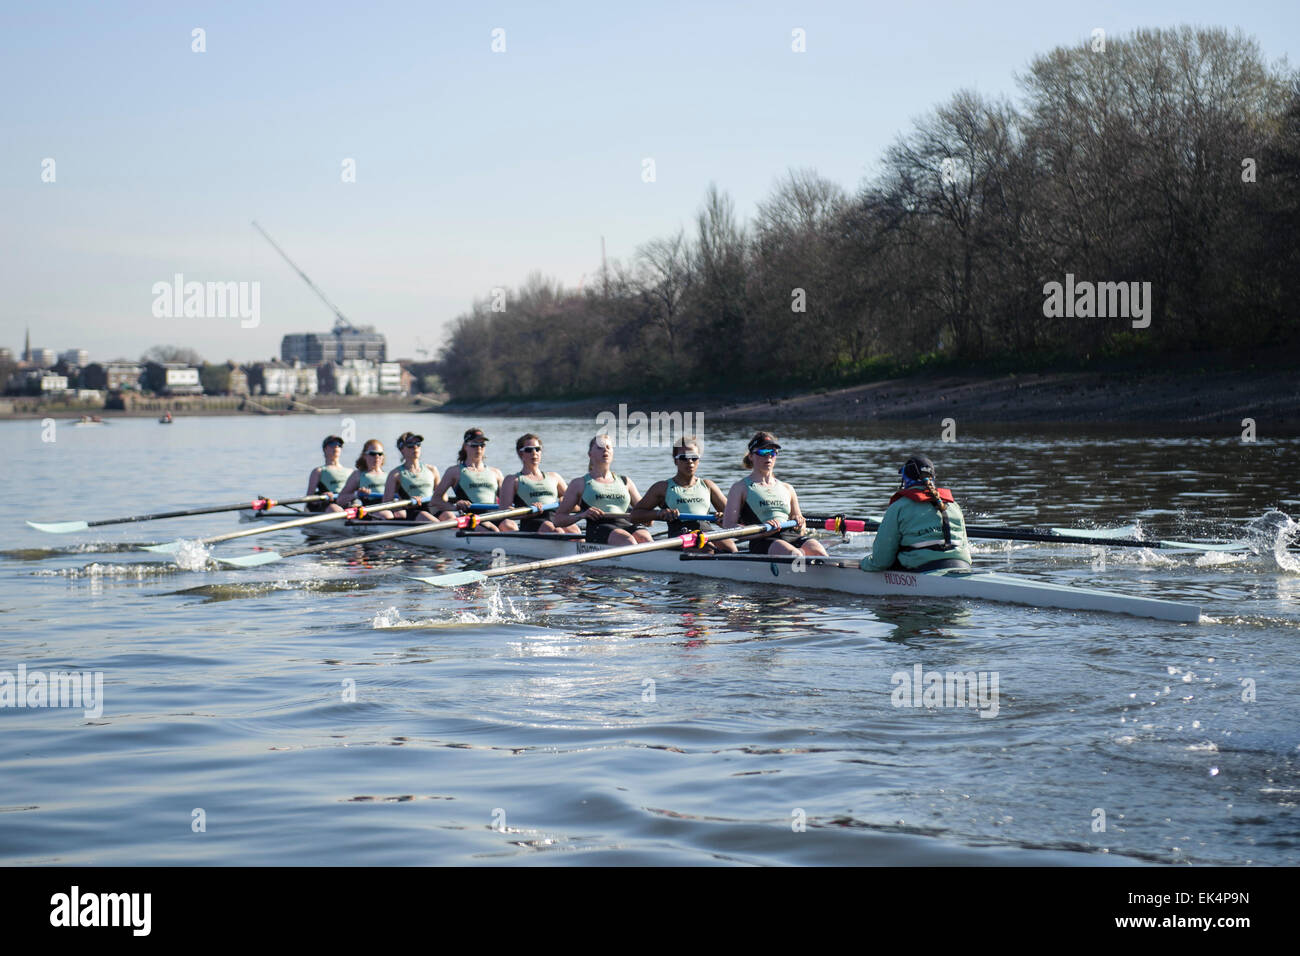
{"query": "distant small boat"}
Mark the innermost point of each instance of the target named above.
(85, 420)
(166, 419)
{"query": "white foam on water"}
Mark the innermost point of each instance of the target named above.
(192, 555)
(500, 609)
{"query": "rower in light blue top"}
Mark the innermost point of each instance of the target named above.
(923, 529)
(530, 485)
(603, 499)
(760, 498)
(366, 486)
(471, 480)
(413, 479)
(330, 477)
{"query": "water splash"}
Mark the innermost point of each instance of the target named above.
(192, 555)
(1277, 532)
(500, 609)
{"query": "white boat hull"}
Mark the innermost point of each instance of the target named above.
(830, 574)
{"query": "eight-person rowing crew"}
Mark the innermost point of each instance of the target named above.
(923, 528)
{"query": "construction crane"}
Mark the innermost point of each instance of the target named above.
(341, 323)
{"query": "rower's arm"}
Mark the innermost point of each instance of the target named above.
(561, 486)
(633, 496)
(449, 479)
(643, 512)
(565, 514)
(717, 500)
(506, 493)
(885, 549)
(390, 486)
(731, 517)
(313, 480)
(349, 489)
(795, 514)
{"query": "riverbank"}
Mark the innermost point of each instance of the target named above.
(1197, 398)
(208, 405)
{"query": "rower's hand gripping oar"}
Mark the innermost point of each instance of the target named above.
(842, 525)
(465, 521)
(358, 511)
(257, 504)
(693, 539)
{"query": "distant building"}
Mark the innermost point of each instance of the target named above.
(42, 358)
(390, 379)
(341, 345)
(353, 377)
(6, 355)
(282, 378)
(78, 357)
(42, 382)
(111, 376)
(171, 378)
(238, 382)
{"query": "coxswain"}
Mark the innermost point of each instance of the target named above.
(760, 498)
(603, 498)
(684, 493)
(923, 528)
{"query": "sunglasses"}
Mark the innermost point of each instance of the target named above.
(530, 448)
(687, 457)
(369, 452)
(411, 444)
(474, 444)
(768, 452)
(334, 444)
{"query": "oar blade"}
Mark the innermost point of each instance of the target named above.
(254, 559)
(59, 527)
(167, 547)
(1194, 546)
(458, 580)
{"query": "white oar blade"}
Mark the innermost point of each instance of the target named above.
(253, 560)
(169, 547)
(1093, 532)
(458, 580)
(1193, 546)
(59, 527)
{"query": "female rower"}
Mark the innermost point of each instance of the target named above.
(471, 480)
(413, 479)
(532, 486)
(684, 493)
(923, 528)
(367, 483)
(601, 491)
(759, 498)
(330, 477)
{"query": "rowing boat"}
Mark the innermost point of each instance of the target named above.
(816, 573)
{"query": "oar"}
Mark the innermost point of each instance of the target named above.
(693, 539)
(257, 504)
(841, 524)
(171, 547)
(258, 558)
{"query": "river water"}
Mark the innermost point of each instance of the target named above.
(591, 716)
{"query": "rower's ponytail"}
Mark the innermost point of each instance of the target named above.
(934, 496)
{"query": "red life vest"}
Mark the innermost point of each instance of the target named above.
(921, 495)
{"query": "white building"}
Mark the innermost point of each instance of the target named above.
(390, 378)
(77, 357)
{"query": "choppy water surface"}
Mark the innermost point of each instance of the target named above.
(593, 716)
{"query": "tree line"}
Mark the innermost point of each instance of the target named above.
(1168, 156)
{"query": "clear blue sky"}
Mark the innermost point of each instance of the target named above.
(473, 168)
